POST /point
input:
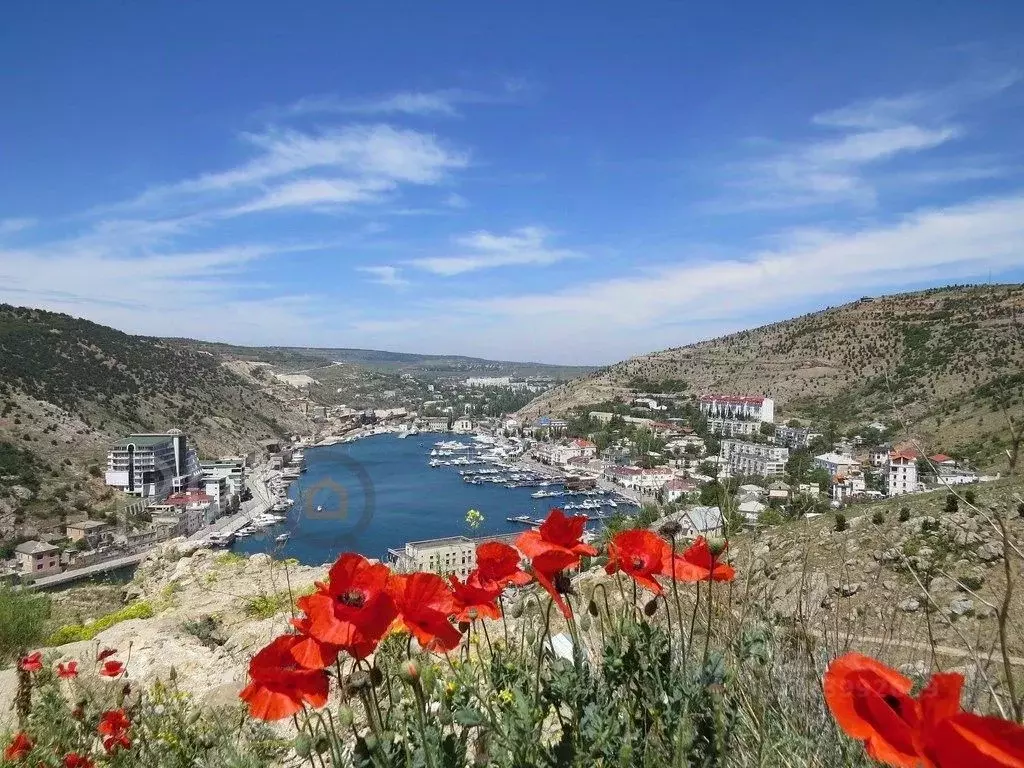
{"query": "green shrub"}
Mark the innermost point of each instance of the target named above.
(266, 606)
(22, 617)
(878, 517)
(952, 504)
(840, 521)
(969, 496)
(73, 633)
(904, 514)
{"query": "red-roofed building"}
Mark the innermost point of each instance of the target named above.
(752, 408)
(902, 472)
(942, 460)
(676, 488)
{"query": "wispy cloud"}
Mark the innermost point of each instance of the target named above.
(455, 200)
(486, 250)
(850, 167)
(443, 102)
(10, 226)
(385, 275)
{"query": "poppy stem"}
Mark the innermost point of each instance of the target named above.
(487, 637)
(540, 650)
(675, 597)
(707, 635)
(504, 621)
(421, 707)
(693, 621)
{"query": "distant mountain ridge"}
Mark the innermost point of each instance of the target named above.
(943, 363)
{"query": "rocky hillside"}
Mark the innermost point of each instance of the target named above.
(67, 386)
(942, 362)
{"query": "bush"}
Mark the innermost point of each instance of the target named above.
(904, 514)
(22, 616)
(840, 521)
(969, 496)
(73, 633)
(952, 504)
(878, 517)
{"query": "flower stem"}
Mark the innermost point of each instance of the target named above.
(707, 635)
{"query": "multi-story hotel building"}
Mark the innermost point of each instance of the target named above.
(153, 464)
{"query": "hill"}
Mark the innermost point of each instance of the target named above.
(941, 365)
(67, 386)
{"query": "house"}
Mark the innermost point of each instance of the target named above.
(760, 459)
(879, 455)
(751, 510)
(845, 487)
(34, 558)
(739, 407)
(750, 489)
(449, 555)
(152, 465)
(942, 460)
(676, 488)
(462, 426)
(621, 475)
(836, 463)
(733, 427)
(691, 444)
(587, 449)
(778, 490)
(436, 424)
(195, 509)
(702, 521)
(86, 530)
(902, 472)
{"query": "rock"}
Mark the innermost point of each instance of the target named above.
(889, 585)
(20, 492)
(925, 553)
(940, 584)
(961, 606)
(909, 605)
(990, 552)
(985, 612)
(849, 590)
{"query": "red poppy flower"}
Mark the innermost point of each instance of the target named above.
(558, 533)
(640, 554)
(20, 746)
(67, 671)
(355, 609)
(424, 604)
(279, 684)
(114, 726)
(310, 652)
(31, 663)
(472, 597)
(951, 738)
(548, 569)
(112, 668)
(497, 565)
(106, 653)
(698, 563)
(872, 703)
(75, 760)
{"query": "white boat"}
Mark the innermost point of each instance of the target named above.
(283, 537)
(319, 507)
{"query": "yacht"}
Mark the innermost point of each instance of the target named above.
(282, 538)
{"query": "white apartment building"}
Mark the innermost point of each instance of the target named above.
(454, 554)
(150, 465)
(794, 437)
(849, 485)
(503, 382)
(559, 454)
(760, 459)
(740, 407)
(462, 426)
(681, 444)
(902, 472)
(231, 468)
(733, 427)
(836, 463)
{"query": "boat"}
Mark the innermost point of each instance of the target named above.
(319, 507)
(220, 539)
(282, 537)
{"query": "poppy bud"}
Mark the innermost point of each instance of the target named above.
(173, 675)
(463, 627)
(322, 745)
(717, 545)
(516, 610)
(585, 623)
(376, 676)
(592, 608)
(651, 607)
(359, 681)
(531, 636)
(371, 742)
(409, 671)
(302, 745)
(78, 713)
(345, 716)
(670, 529)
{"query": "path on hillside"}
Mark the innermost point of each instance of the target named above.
(945, 650)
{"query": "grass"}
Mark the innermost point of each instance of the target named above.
(73, 633)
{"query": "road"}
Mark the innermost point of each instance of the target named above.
(90, 570)
(261, 501)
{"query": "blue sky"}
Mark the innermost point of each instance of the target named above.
(565, 182)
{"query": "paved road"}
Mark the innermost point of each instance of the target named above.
(90, 570)
(261, 501)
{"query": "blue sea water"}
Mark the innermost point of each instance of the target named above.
(380, 492)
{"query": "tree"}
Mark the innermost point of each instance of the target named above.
(840, 521)
(794, 424)
(711, 494)
(767, 429)
(821, 477)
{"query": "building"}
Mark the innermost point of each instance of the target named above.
(702, 521)
(733, 427)
(36, 558)
(677, 488)
(218, 490)
(231, 468)
(152, 465)
(451, 555)
(751, 510)
(941, 460)
(836, 463)
(848, 486)
(90, 531)
(503, 382)
(795, 437)
(651, 480)
(691, 444)
(561, 453)
(738, 407)
(462, 426)
(436, 424)
(760, 459)
(879, 455)
(621, 475)
(195, 509)
(902, 472)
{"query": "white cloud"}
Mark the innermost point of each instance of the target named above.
(443, 102)
(10, 226)
(455, 200)
(385, 275)
(486, 250)
(311, 193)
(851, 167)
